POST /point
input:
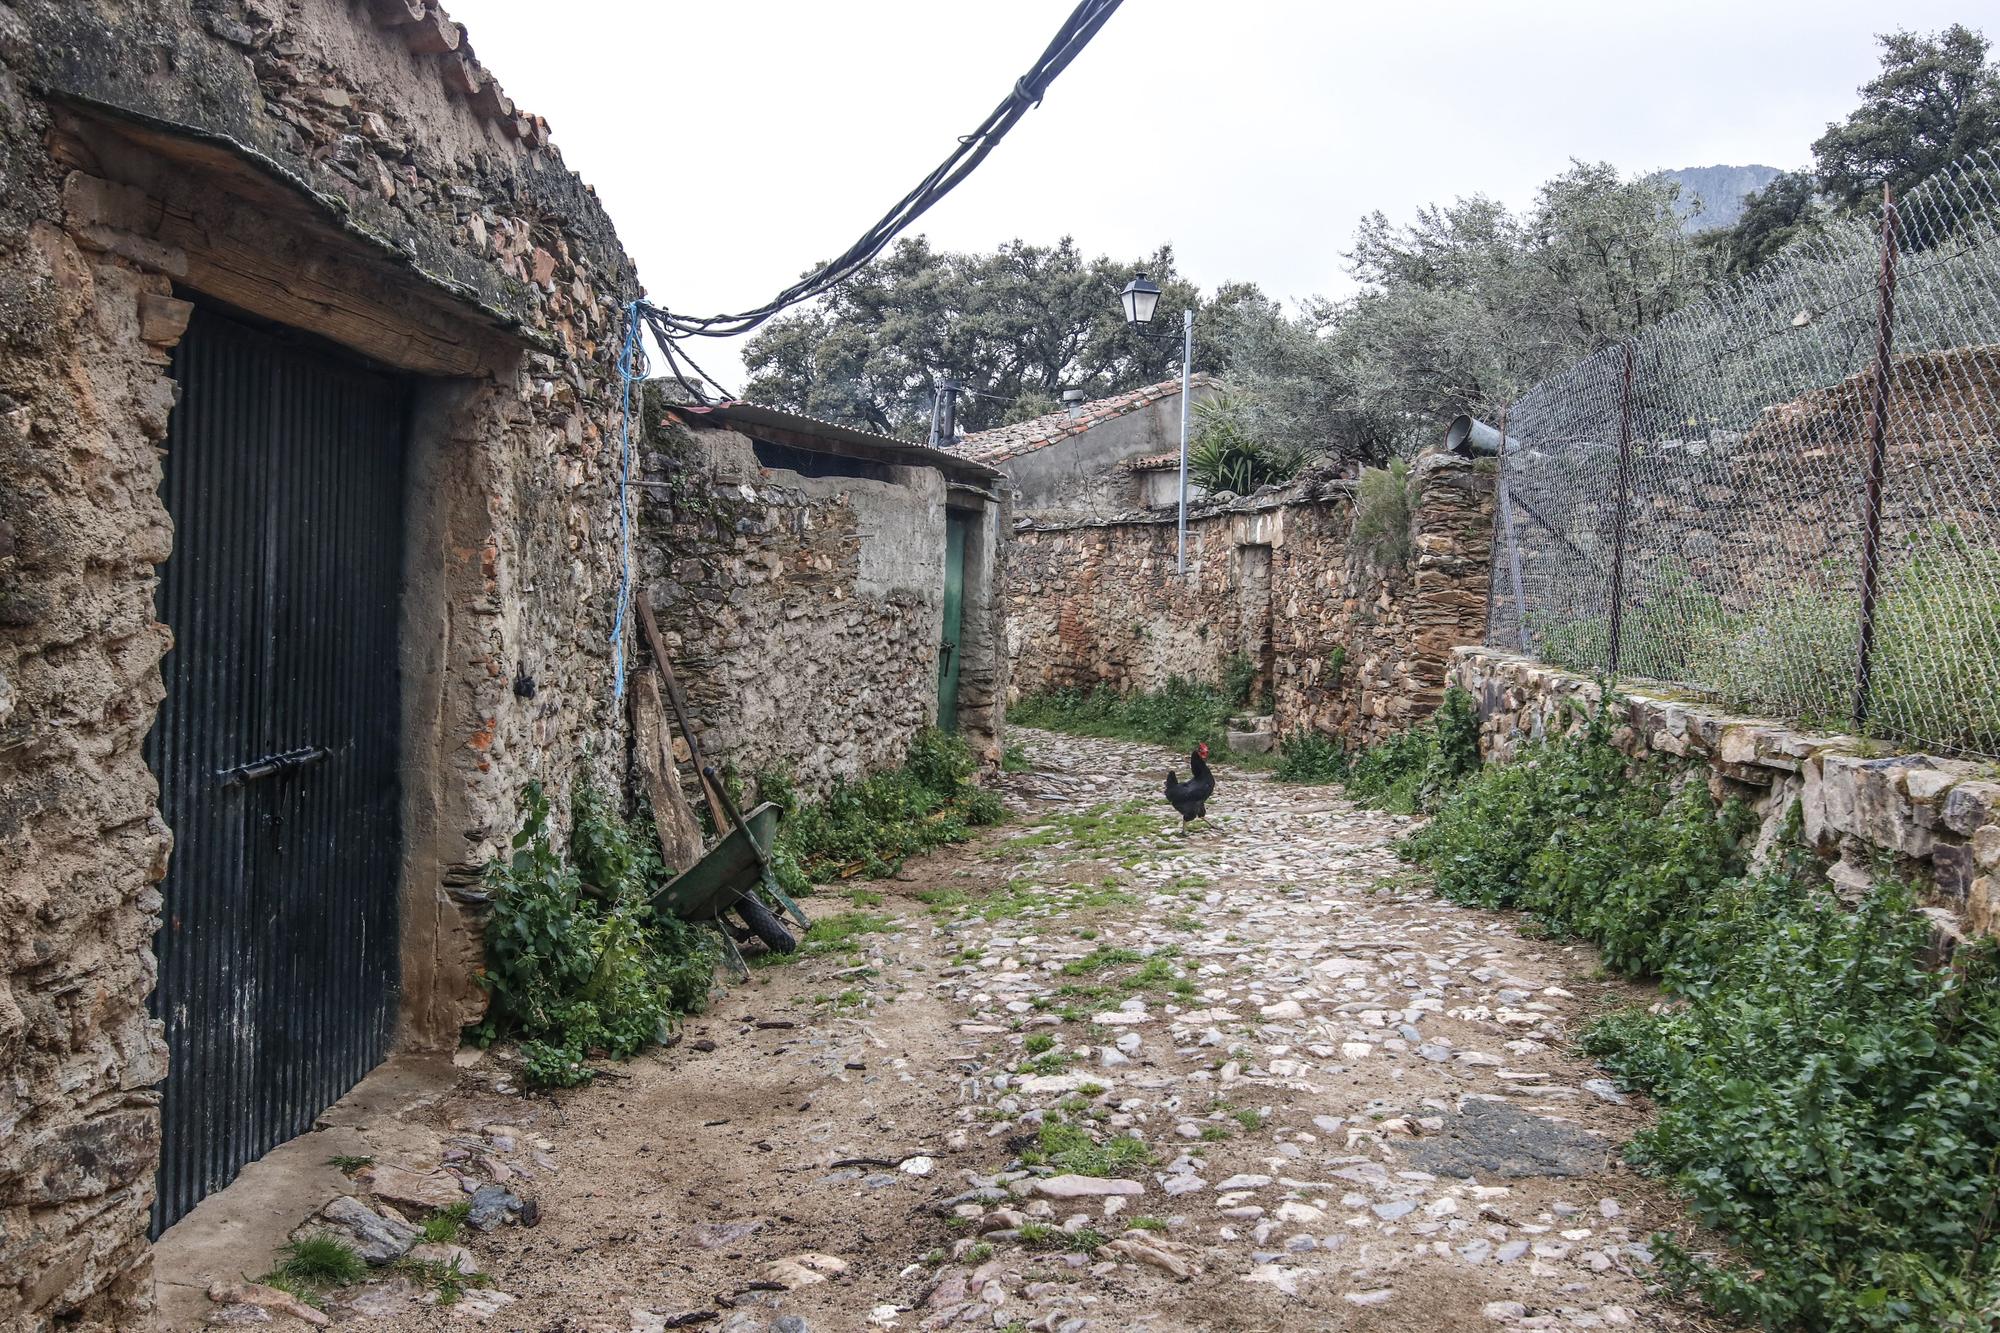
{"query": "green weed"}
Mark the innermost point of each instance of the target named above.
(842, 932)
(1180, 715)
(1070, 1149)
(1042, 1236)
(577, 961)
(873, 827)
(1098, 959)
(444, 1226)
(1311, 757)
(320, 1261)
(449, 1281)
(1826, 1096)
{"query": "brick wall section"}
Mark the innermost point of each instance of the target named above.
(1936, 819)
(1354, 650)
(804, 614)
(369, 155)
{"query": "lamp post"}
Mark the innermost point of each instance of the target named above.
(1142, 297)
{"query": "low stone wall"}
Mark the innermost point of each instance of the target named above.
(804, 613)
(1938, 820)
(1343, 644)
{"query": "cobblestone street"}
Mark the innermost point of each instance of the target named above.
(1081, 1074)
(1356, 1098)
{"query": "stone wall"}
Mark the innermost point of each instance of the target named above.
(804, 613)
(349, 169)
(1935, 819)
(1345, 644)
(1394, 627)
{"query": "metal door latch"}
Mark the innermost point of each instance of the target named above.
(274, 765)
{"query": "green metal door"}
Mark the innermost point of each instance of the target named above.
(955, 525)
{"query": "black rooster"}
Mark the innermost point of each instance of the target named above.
(1191, 797)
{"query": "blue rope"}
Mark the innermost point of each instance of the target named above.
(625, 374)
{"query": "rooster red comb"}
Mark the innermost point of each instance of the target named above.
(1201, 748)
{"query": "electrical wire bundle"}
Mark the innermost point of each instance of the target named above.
(670, 329)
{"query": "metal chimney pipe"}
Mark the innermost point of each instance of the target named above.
(1467, 436)
(948, 415)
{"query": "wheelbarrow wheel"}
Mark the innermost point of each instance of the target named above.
(763, 925)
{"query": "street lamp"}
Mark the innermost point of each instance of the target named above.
(1141, 298)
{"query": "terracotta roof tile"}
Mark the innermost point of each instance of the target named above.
(1004, 442)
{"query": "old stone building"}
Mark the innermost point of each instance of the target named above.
(1077, 464)
(826, 593)
(308, 442)
(1337, 637)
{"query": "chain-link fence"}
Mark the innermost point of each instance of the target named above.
(1787, 497)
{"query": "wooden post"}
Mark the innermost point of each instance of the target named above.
(680, 835)
(717, 809)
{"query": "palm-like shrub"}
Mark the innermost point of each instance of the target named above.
(1225, 453)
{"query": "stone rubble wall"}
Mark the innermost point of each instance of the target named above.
(372, 149)
(1353, 650)
(803, 614)
(1394, 628)
(1937, 820)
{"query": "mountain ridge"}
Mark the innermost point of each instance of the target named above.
(1720, 189)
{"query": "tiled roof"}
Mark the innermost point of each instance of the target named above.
(1154, 463)
(1004, 442)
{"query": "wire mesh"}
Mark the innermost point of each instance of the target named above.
(1740, 571)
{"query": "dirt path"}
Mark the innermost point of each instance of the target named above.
(1325, 1100)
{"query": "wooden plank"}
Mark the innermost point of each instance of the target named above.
(717, 808)
(673, 818)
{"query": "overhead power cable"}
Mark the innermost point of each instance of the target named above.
(669, 329)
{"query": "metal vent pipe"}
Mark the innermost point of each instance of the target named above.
(1467, 436)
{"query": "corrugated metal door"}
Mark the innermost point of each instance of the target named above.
(276, 743)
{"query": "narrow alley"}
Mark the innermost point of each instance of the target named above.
(1083, 1075)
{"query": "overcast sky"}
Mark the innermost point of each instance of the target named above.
(738, 143)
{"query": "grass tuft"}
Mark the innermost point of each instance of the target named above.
(1179, 715)
(444, 1226)
(321, 1261)
(1070, 1149)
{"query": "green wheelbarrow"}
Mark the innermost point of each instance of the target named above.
(727, 878)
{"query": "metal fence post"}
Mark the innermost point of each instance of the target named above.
(1523, 640)
(1878, 420)
(1618, 517)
